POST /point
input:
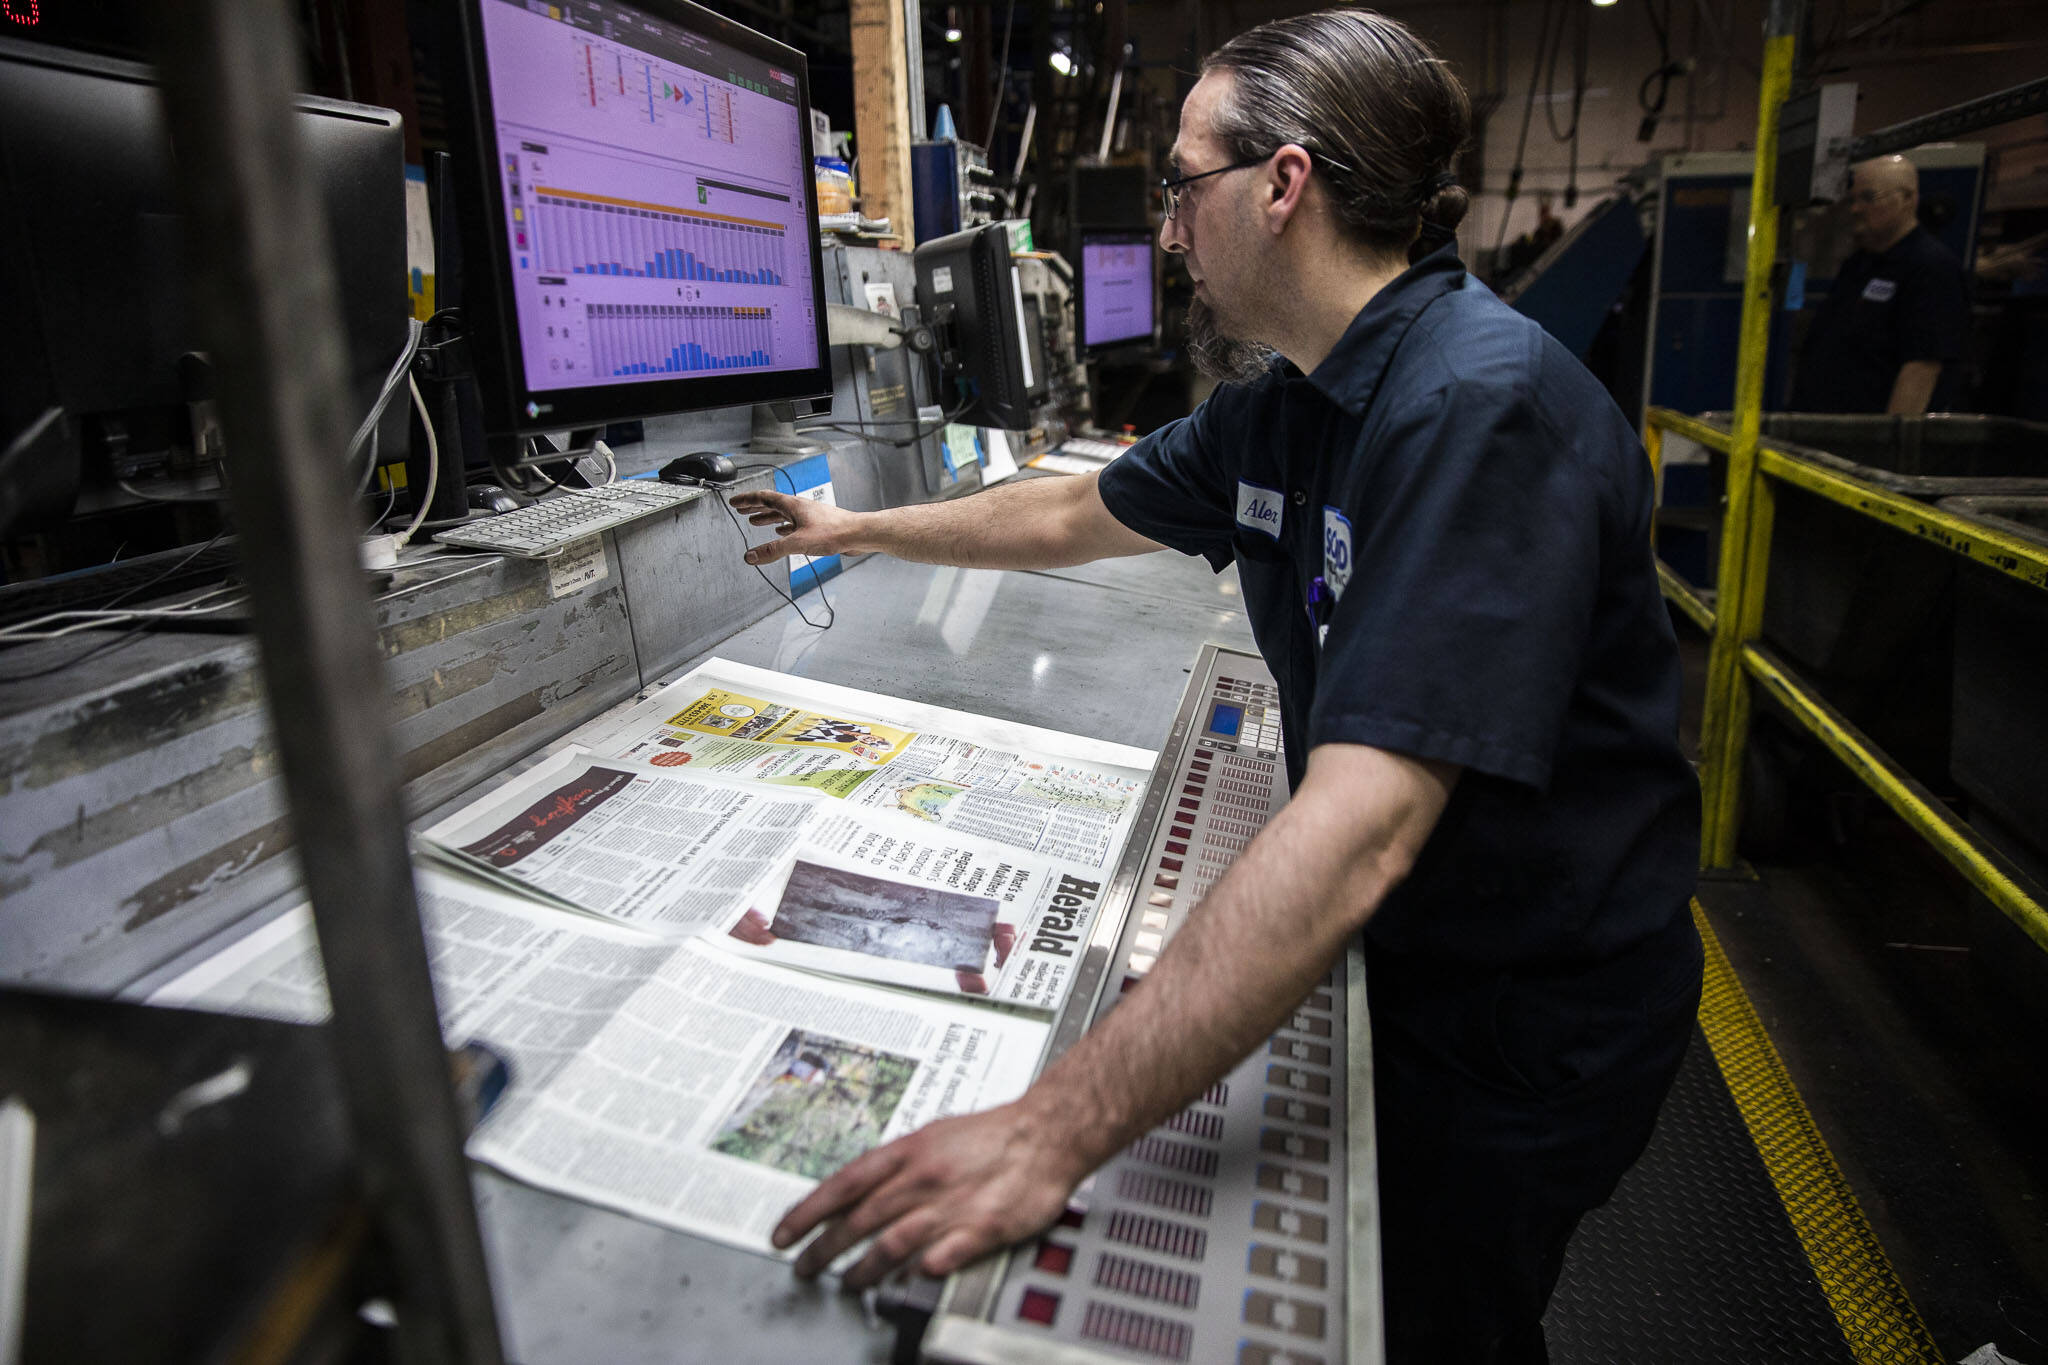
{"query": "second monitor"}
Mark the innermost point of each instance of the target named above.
(1117, 300)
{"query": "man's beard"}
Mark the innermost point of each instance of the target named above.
(1225, 359)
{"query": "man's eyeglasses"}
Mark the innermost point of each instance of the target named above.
(1172, 191)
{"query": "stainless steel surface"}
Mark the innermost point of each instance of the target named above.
(577, 1283)
(486, 668)
(1246, 1226)
(1059, 650)
(266, 306)
(140, 804)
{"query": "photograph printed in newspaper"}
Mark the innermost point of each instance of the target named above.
(879, 897)
(669, 1081)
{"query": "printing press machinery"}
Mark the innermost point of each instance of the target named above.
(1222, 1236)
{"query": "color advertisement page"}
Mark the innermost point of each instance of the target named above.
(1064, 797)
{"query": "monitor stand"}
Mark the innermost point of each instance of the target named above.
(775, 432)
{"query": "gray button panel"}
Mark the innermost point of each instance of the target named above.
(1219, 1235)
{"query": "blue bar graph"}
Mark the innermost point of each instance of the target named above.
(587, 235)
(634, 340)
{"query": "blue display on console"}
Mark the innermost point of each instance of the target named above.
(1224, 720)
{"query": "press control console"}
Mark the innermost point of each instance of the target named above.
(1243, 1229)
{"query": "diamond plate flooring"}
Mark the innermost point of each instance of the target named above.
(1693, 1259)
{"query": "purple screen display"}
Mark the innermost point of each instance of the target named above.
(655, 210)
(1116, 289)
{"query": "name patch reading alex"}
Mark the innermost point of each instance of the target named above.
(1258, 507)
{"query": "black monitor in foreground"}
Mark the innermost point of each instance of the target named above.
(638, 211)
(968, 290)
(1116, 287)
(93, 291)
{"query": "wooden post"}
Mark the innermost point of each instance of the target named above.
(881, 113)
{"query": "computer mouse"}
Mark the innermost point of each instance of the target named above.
(488, 497)
(699, 467)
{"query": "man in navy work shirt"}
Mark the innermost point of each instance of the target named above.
(1897, 318)
(1441, 524)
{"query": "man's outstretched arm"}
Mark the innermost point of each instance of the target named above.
(958, 1189)
(1029, 524)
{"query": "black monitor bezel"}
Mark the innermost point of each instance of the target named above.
(1137, 340)
(487, 305)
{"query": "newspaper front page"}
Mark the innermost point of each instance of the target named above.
(728, 718)
(881, 897)
(669, 1081)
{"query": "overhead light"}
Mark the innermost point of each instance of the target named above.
(1603, 4)
(1062, 63)
(953, 34)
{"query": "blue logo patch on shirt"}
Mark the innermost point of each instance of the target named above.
(1336, 550)
(1880, 291)
(1258, 507)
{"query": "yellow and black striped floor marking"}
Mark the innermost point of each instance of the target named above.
(1877, 1317)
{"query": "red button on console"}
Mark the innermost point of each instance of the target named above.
(1039, 1307)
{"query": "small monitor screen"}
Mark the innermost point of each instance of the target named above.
(1116, 287)
(653, 184)
(1224, 720)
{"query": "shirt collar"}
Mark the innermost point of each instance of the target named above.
(1350, 374)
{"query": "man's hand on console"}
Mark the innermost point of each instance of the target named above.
(947, 1194)
(806, 526)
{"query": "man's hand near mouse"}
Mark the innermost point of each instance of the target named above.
(1042, 523)
(806, 526)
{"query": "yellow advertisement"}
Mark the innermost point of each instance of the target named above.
(728, 715)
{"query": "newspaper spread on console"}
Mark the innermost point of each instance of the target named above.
(1038, 793)
(785, 875)
(667, 1080)
(671, 853)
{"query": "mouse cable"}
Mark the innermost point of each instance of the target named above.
(831, 614)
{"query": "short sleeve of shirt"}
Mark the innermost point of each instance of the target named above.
(1462, 627)
(1934, 310)
(1175, 485)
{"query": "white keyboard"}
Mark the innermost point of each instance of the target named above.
(539, 531)
(1089, 448)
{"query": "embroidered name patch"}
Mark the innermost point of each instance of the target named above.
(1336, 550)
(1258, 507)
(1880, 291)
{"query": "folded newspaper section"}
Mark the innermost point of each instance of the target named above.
(783, 874)
(727, 718)
(674, 855)
(666, 1080)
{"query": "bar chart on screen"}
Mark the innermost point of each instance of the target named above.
(628, 339)
(578, 233)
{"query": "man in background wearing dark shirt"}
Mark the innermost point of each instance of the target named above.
(1898, 316)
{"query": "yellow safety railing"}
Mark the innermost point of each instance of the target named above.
(1734, 621)
(1745, 578)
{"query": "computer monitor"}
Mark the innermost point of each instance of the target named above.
(638, 213)
(968, 290)
(1115, 287)
(93, 287)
